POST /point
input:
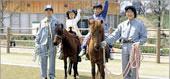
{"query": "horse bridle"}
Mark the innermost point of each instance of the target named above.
(59, 36)
(96, 49)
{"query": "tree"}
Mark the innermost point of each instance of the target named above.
(3, 8)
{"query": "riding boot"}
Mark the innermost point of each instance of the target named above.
(83, 51)
(111, 54)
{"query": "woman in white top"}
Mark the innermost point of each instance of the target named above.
(72, 19)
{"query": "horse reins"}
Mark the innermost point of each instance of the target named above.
(104, 60)
(134, 59)
(58, 36)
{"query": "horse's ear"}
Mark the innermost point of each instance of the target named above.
(55, 28)
(101, 21)
(89, 22)
(62, 26)
(56, 24)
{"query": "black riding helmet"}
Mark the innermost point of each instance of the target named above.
(97, 6)
(132, 8)
(71, 11)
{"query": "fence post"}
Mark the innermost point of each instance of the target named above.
(8, 39)
(158, 36)
(158, 45)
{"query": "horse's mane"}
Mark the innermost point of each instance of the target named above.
(96, 26)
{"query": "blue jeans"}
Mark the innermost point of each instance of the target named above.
(126, 50)
(47, 51)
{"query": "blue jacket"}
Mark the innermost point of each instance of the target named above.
(135, 32)
(102, 16)
(43, 32)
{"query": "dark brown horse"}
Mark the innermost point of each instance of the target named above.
(69, 48)
(95, 51)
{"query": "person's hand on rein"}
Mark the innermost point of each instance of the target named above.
(103, 43)
(135, 44)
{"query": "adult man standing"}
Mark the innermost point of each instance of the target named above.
(44, 43)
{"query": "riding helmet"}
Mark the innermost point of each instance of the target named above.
(97, 5)
(48, 7)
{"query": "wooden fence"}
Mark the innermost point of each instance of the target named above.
(8, 34)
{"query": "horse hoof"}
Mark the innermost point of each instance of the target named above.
(69, 72)
(65, 77)
(77, 74)
(75, 78)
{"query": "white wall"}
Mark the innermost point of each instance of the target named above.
(25, 21)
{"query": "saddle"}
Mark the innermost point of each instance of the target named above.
(77, 40)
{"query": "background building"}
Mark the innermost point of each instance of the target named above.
(22, 13)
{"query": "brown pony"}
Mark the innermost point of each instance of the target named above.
(69, 48)
(95, 51)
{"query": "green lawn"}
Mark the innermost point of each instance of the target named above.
(147, 68)
(20, 72)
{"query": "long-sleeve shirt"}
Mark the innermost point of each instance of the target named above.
(43, 32)
(135, 32)
(73, 23)
(102, 16)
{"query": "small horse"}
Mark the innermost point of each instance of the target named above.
(95, 51)
(69, 48)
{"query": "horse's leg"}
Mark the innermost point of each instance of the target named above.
(93, 70)
(65, 67)
(74, 67)
(98, 72)
(102, 72)
(70, 67)
(77, 69)
(77, 65)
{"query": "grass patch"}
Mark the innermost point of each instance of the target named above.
(28, 44)
(20, 72)
(16, 54)
(144, 49)
(114, 66)
(166, 21)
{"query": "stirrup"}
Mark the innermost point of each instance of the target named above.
(82, 52)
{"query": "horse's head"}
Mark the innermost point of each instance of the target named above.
(58, 31)
(97, 32)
